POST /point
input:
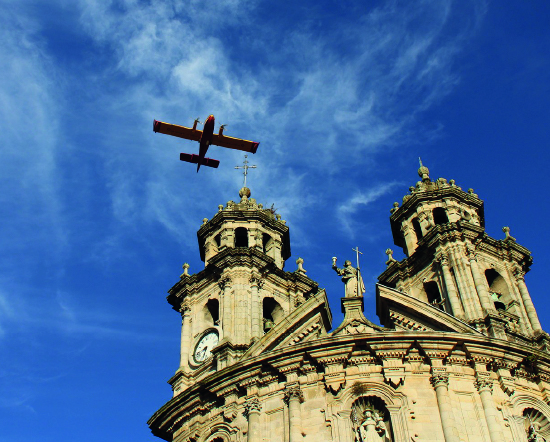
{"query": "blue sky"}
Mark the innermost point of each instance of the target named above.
(99, 214)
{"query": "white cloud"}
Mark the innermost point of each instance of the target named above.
(348, 208)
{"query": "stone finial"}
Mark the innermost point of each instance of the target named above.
(204, 221)
(244, 193)
(220, 208)
(452, 182)
(395, 207)
(185, 269)
(391, 260)
(278, 216)
(506, 230)
(300, 262)
(472, 193)
(423, 171)
(260, 206)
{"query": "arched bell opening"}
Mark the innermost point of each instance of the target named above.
(212, 312)
(440, 216)
(272, 313)
(371, 420)
(498, 289)
(417, 229)
(241, 238)
(431, 288)
(267, 241)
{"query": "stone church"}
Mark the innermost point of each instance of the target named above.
(461, 355)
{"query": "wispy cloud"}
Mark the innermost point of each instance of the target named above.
(330, 111)
(359, 200)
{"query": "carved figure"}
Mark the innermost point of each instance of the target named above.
(349, 277)
(372, 428)
(533, 433)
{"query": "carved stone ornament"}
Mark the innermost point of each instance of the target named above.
(519, 274)
(443, 259)
(299, 300)
(439, 380)
(224, 281)
(256, 279)
(484, 384)
(293, 392)
(252, 405)
(184, 309)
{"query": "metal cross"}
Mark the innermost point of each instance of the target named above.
(358, 272)
(358, 252)
(246, 168)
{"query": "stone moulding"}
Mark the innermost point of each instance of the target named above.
(205, 398)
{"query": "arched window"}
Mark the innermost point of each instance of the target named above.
(241, 238)
(434, 296)
(417, 228)
(371, 420)
(218, 240)
(498, 289)
(440, 216)
(212, 311)
(272, 313)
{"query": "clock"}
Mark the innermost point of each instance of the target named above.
(204, 347)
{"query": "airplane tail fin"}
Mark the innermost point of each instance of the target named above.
(194, 158)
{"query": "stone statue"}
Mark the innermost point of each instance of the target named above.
(372, 428)
(533, 433)
(349, 277)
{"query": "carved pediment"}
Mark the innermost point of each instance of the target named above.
(401, 311)
(307, 322)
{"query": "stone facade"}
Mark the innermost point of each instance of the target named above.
(461, 355)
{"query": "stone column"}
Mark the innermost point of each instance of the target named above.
(475, 308)
(293, 397)
(485, 388)
(527, 302)
(452, 293)
(256, 312)
(480, 283)
(440, 382)
(227, 314)
(185, 311)
(252, 409)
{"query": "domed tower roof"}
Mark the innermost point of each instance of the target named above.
(430, 203)
(245, 224)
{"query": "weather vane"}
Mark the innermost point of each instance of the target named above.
(246, 168)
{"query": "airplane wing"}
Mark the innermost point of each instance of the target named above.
(177, 131)
(234, 143)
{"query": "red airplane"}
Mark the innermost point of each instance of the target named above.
(206, 137)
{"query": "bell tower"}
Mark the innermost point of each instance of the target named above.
(241, 293)
(452, 263)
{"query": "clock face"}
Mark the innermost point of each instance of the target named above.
(204, 347)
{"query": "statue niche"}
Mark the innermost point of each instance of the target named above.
(370, 420)
(537, 426)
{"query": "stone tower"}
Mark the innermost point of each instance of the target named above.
(452, 263)
(461, 355)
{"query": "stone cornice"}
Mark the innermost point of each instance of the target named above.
(250, 258)
(196, 398)
(437, 194)
(448, 233)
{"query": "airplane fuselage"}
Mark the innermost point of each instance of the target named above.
(206, 138)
